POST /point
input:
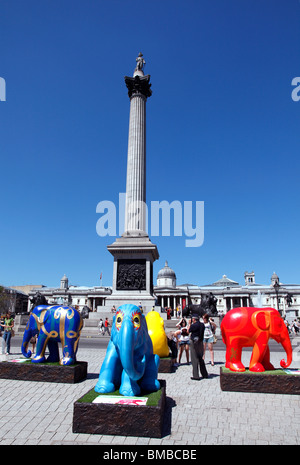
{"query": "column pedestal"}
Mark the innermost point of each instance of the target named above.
(133, 271)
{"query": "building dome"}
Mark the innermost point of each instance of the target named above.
(64, 282)
(274, 279)
(166, 277)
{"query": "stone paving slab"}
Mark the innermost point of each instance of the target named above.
(198, 412)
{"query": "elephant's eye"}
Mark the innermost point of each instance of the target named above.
(119, 319)
(136, 321)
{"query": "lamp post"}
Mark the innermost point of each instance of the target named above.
(276, 287)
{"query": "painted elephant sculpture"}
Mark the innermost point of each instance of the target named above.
(53, 324)
(129, 364)
(253, 327)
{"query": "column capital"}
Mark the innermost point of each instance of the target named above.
(138, 85)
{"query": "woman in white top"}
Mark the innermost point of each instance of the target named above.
(184, 341)
(208, 340)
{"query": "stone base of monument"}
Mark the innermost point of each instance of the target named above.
(268, 382)
(120, 419)
(44, 372)
(165, 365)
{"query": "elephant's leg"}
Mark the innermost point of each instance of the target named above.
(54, 352)
(149, 380)
(266, 360)
(234, 355)
(40, 348)
(128, 386)
(111, 370)
(258, 353)
(69, 356)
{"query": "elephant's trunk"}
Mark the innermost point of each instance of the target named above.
(25, 342)
(286, 344)
(133, 366)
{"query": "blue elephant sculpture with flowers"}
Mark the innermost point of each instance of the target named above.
(129, 364)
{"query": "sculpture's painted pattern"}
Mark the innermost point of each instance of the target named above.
(53, 324)
(252, 327)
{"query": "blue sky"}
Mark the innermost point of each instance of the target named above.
(221, 128)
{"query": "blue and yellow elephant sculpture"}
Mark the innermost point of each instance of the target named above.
(129, 364)
(53, 324)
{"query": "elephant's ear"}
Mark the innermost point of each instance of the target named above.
(114, 332)
(263, 322)
(144, 328)
(41, 313)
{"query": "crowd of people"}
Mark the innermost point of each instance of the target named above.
(193, 337)
(176, 313)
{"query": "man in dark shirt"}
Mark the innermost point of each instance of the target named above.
(196, 330)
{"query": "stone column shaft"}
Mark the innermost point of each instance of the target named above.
(135, 213)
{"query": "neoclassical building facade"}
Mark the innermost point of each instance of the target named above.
(229, 294)
(79, 296)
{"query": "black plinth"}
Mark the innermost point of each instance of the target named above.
(165, 365)
(120, 420)
(268, 383)
(44, 372)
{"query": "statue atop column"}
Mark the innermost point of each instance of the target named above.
(140, 62)
(139, 83)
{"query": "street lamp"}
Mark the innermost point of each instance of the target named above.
(276, 287)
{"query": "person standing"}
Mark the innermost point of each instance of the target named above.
(181, 323)
(101, 327)
(7, 327)
(33, 341)
(196, 331)
(184, 341)
(210, 328)
(106, 327)
(295, 326)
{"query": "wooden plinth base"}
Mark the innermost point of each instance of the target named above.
(44, 372)
(165, 365)
(269, 383)
(120, 420)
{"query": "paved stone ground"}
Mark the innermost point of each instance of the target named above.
(198, 411)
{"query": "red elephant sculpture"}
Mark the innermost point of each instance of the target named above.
(247, 327)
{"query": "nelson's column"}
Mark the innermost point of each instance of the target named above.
(133, 252)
